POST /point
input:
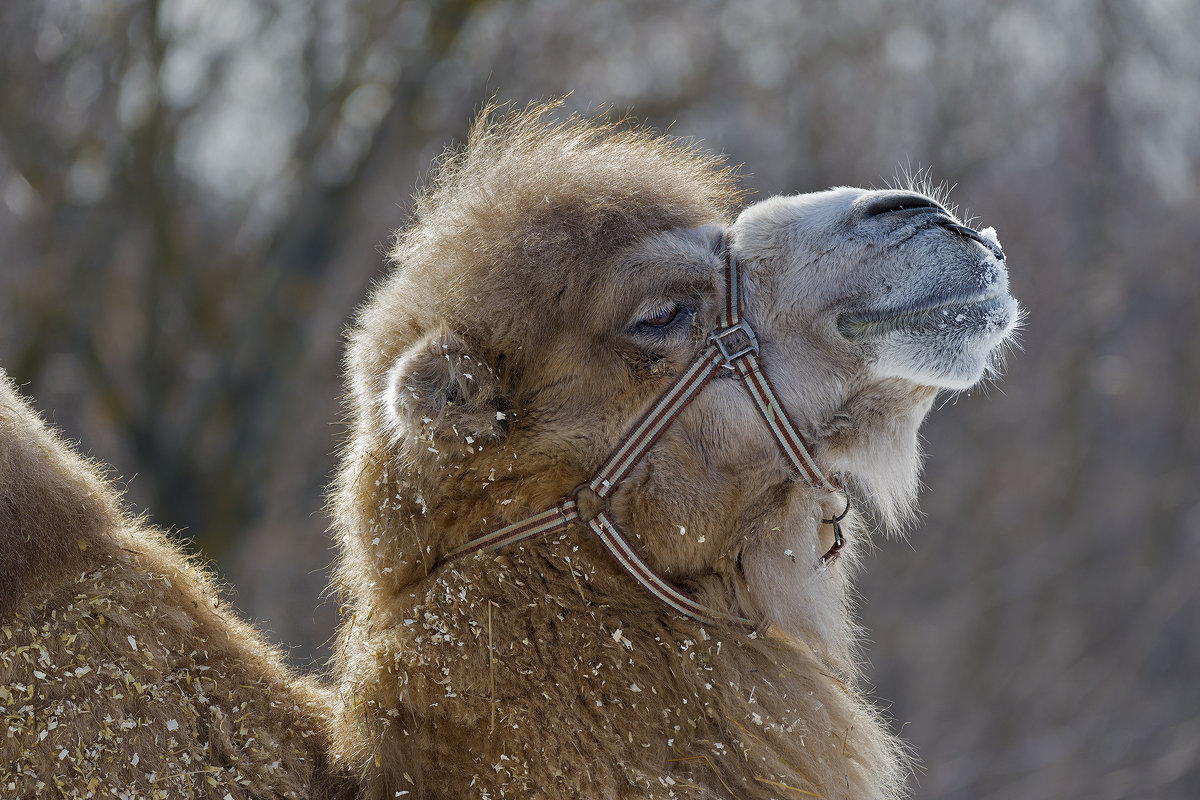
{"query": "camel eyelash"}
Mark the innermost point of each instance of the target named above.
(661, 317)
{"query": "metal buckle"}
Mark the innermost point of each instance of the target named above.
(731, 354)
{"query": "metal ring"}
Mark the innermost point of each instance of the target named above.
(842, 515)
(606, 507)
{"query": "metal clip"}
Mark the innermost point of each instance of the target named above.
(839, 540)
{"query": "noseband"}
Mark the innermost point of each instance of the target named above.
(733, 346)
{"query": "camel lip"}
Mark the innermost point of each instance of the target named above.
(858, 324)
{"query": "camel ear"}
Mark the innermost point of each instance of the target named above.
(439, 389)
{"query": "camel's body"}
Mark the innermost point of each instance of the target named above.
(121, 673)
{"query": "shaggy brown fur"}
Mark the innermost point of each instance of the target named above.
(122, 673)
(489, 375)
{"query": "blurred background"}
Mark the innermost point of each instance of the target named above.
(194, 194)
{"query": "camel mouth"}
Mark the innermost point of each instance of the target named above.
(947, 311)
(965, 298)
(948, 340)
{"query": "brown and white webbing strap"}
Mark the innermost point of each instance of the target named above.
(733, 346)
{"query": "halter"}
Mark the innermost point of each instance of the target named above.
(733, 346)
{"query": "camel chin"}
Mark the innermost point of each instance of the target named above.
(948, 346)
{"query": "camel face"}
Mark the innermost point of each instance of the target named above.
(864, 304)
(888, 279)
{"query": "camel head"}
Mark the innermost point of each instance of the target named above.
(558, 277)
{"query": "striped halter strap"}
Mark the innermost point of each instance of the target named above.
(733, 346)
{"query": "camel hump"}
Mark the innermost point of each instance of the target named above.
(55, 506)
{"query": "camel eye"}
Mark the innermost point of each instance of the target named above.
(660, 317)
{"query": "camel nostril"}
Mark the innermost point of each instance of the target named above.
(971, 233)
(894, 202)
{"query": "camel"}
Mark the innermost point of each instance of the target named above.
(613, 456)
(123, 674)
(571, 572)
